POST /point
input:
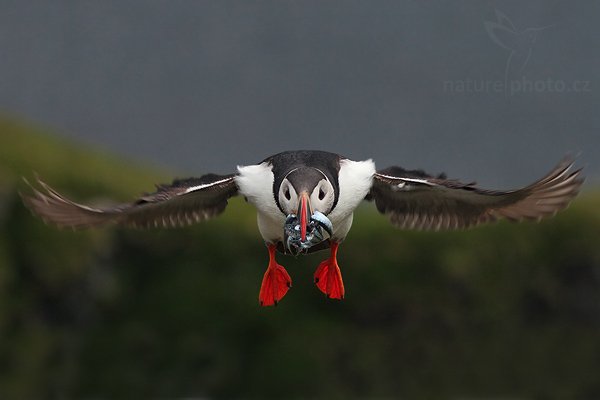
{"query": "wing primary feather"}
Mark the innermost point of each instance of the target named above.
(439, 203)
(168, 206)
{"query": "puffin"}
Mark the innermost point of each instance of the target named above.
(305, 202)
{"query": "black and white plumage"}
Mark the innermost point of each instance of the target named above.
(293, 182)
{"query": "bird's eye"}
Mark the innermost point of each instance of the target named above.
(321, 194)
(287, 194)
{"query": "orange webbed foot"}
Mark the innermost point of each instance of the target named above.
(328, 276)
(276, 282)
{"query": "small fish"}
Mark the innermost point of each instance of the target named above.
(314, 232)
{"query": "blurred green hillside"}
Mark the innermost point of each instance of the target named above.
(500, 311)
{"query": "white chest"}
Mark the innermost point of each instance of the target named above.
(255, 183)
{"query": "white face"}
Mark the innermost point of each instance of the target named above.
(321, 198)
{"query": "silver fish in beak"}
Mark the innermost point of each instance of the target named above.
(297, 239)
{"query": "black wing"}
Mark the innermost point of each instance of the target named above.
(181, 203)
(415, 200)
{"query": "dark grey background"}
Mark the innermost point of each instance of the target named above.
(203, 86)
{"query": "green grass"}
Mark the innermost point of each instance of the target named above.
(501, 311)
(27, 149)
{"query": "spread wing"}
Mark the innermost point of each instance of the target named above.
(181, 203)
(415, 200)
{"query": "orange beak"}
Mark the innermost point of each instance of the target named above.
(303, 214)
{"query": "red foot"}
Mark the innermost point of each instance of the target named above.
(276, 281)
(328, 276)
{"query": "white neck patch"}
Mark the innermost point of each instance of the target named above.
(355, 179)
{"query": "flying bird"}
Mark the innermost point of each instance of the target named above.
(305, 202)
